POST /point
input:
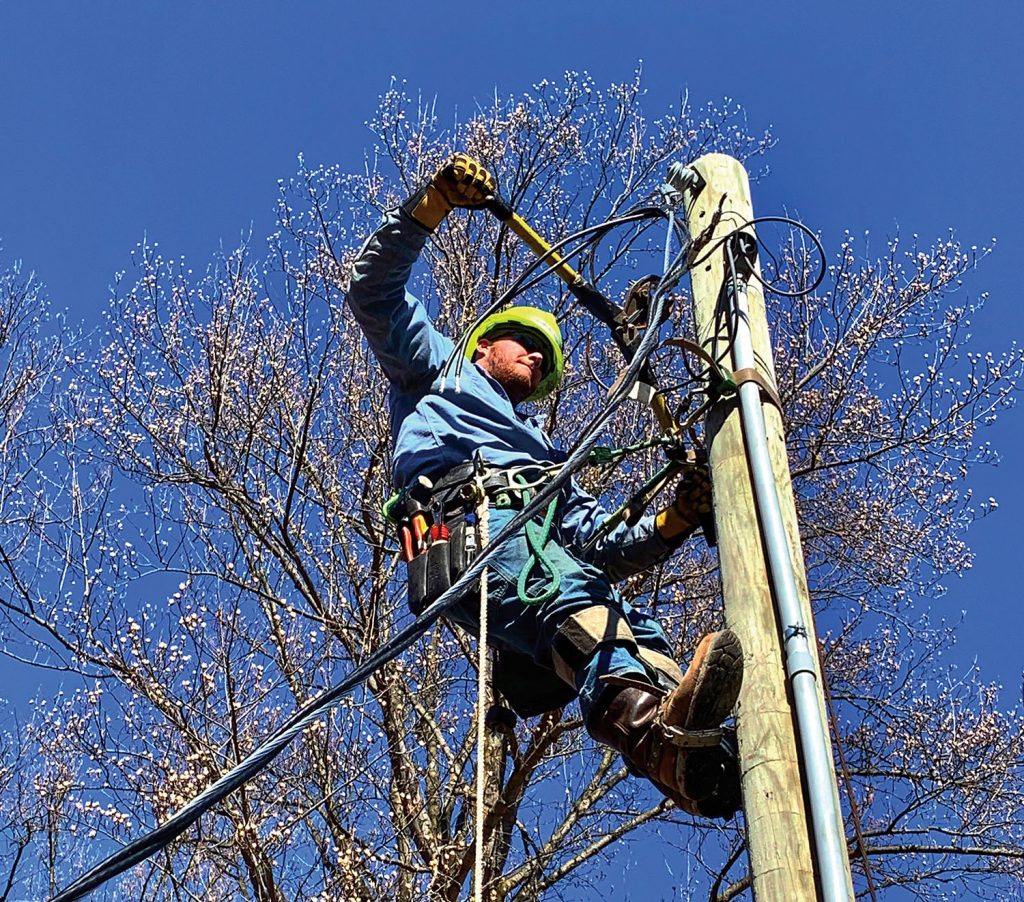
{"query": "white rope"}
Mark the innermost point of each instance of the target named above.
(482, 680)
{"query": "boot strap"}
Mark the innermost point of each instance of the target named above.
(677, 736)
(691, 739)
(631, 682)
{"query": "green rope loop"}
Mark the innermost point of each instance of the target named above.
(537, 539)
(604, 455)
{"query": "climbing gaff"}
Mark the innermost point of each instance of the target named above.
(620, 321)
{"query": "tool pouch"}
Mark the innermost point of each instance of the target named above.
(457, 550)
(439, 577)
(430, 576)
(417, 573)
(432, 572)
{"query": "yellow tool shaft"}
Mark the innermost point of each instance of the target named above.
(663, 415)
(541, 248)
(572, 278)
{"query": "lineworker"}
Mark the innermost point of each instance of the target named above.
(582, 639)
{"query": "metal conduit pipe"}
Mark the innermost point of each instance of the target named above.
(830, 844)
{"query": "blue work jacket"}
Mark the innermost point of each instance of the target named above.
(436, 427)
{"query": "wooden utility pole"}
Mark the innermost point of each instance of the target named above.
(779, 838)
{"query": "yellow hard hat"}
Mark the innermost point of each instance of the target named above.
(537, 322)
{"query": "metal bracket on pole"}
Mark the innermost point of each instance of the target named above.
(798, 651)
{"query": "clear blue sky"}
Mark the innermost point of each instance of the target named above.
(174, 120)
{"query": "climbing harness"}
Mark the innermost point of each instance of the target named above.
(434, 522)
(437, 525)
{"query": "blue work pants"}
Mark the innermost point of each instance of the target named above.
(531, 629)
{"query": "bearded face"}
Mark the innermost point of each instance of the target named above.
(510, 363)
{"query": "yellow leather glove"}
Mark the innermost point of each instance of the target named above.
(692, 504)
(461, 182)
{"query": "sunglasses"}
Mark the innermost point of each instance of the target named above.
(530, 342)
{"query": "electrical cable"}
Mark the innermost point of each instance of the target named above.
(261, 757)
(771, 286)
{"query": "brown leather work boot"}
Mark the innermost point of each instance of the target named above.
(675, 739)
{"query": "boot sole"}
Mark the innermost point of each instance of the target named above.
(719, 665)
(716, 686)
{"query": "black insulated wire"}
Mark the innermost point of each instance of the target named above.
(593, 233)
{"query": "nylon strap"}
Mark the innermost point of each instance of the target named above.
(768, 392)
(483, 692)
(728, 383)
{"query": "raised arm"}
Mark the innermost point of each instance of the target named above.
(397, 327)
